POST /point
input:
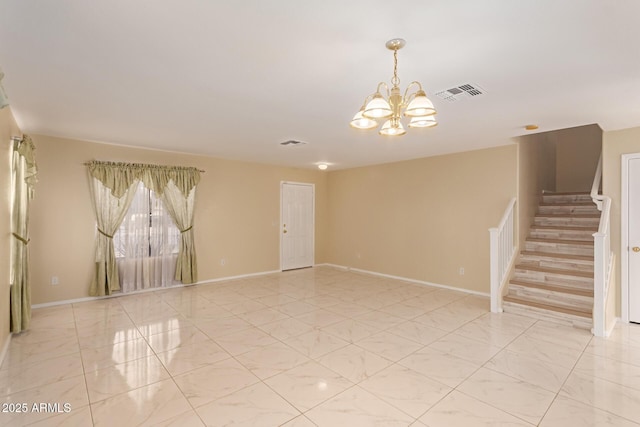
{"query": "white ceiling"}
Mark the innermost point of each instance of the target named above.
(233, 79)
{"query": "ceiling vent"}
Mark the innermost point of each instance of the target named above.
(458, 93)
(292, 142)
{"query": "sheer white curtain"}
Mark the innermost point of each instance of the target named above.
(110, 209)
(146, 244)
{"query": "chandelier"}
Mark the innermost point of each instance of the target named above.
(376, 106)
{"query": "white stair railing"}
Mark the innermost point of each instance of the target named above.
(502, 251)
(602, 257)
(602, 267)
(595, 187)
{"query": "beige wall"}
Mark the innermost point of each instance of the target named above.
(536, 173)
(8, 128)
(237, 214)
(422, 219)
(614, 145)
(577, 154)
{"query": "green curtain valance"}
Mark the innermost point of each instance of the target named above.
(118, 177)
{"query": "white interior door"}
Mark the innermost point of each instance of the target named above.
(633, 247)
(297, 225)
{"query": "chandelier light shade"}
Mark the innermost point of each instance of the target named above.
(420, 106)
(423, 122)
(392, 107)
(359, 121)
(377, 108)
(392, 128)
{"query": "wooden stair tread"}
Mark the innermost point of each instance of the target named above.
(566, 215)
(551, 307)
(553, 287)
(564, 228)
(558, 255)
(562, 271)
(567, 193)
(560, 241)
(564, 203)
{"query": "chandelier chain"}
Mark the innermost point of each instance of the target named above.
(395, 80)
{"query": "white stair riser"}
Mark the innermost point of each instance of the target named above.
(565, 264)
(585, 235)
(568, 210)
(545, 296)
(537, 313)
(559, 248)
(566, 221)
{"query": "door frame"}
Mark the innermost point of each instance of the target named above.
(313, 219)
(624, 235)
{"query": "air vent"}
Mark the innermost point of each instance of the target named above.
(292, 142)
(458, 93)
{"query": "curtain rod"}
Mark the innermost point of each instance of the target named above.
(145, 164)
(17, 138)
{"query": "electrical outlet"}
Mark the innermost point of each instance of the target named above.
(55, 281)
(358, 255)
(223, 262)
(461, 271)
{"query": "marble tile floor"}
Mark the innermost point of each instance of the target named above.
(314, 347)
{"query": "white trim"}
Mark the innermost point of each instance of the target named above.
(500, 238)
(313, 219)
(240, 276)
(75, 300)
(5, 349)
(612, 327)
(204, 282)
(406, 279)
(624, 235)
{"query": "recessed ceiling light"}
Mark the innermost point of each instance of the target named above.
(322, 166)
(531, 127)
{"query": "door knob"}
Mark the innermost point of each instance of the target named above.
(285, 232)
(636, 249)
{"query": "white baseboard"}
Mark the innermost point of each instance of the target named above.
(143, 291)
(5, 349)
(71, 301)
(406, 279)
(611, 327)
(241, 276)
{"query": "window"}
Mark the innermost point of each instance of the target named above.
(146, 244)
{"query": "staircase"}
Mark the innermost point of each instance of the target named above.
(553, 277)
